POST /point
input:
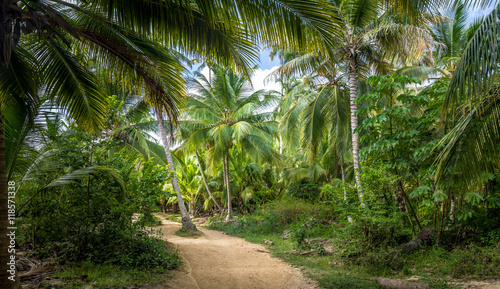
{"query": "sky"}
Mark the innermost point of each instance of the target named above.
(265, 67)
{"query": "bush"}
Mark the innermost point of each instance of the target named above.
(306, 191)
(131, 249)
(90, 218)
(288, 210)
(377, 219)
(274, 216)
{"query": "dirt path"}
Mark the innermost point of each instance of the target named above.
(219, 261)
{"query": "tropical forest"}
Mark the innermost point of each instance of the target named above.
(222, 144)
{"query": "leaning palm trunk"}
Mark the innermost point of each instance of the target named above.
(186, 220)
(353, 90)
(228, 188)
(5, 282)
(205, 182)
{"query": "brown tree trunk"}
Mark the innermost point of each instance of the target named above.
(7, 279)
(228, 188)
(186, 220)
(353, 91)
(205, 182)
(407, 201)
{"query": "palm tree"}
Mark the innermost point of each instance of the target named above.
(368, 32)
(225, 112)
(473, 93)
(366, 39)
(186, 220)
(452, 31)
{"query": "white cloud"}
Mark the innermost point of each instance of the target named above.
(259, 83)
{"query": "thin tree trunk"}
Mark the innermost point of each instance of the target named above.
(342, 172)
(407, 201)
(205, 182)
(225, 183)
(7, 280)
(228, 188)
(186, 220)
(353, 90)
(435, 214)
(452, 208)
(442, 222)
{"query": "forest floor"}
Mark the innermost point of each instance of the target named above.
(216, 260)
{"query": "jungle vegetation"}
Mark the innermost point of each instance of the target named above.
(387, 123)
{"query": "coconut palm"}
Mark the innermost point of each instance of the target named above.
(452, 31)
(473, 94)
(225, 112)
(367, 39)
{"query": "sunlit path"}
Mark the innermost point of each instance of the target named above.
(216, 260)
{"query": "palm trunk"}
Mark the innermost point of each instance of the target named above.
(205, 182)
(7, 280)
(354, 124)
(186, 220)
(225, 182)
(342, 172)
(228, 188)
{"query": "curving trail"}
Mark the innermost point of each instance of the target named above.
(219, 261)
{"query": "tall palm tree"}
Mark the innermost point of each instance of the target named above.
(227, 111)
(186, 220)
(371, 33)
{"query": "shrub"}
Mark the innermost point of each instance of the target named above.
(306, 191)
(288, 210)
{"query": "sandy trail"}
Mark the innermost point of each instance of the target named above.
(219, 261)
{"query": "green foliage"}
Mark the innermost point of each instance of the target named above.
(306, 191)
(89, 216)
(289, 210)
(298, 237)
(378, 221)
(274, 217)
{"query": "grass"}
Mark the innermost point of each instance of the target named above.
(188, 233)
(174, 218)
(108, 276)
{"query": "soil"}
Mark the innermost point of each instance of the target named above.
(218, 261)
